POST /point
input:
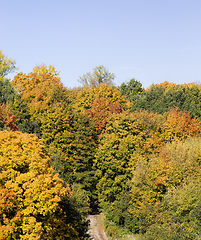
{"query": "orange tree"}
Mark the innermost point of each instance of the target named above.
(99, 103)
(7, 119)
(179, 125)
(33, 199)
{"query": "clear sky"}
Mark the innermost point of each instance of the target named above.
(150, 40)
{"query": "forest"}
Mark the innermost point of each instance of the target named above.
(132, 153)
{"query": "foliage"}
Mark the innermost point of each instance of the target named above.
(68, 134)
(7, 92)
(160, 98)
(9, 214)
(162, 180)
(7, 65)
(77, 209)
(99, 75)
(40, 91)
(129, 147)
(7, 119)
(100, 110)
(178, 216)
(125, 139)
(127, 144)
(179, 126)
(87, 96)
(77, 146)
(38, 196)
(131, 90)
(24, 123)
(43, 98)
(99, 103)
(44, 69)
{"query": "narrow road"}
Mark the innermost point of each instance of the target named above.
(96, 230)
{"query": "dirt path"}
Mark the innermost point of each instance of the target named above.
(96, 230)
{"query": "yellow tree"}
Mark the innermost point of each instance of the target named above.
(33, 196)
(43, 68)
(44, 94)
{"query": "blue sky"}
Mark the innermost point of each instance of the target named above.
(150, 40)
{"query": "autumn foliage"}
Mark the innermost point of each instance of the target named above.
(32, 198)
(101, 109)
(130, 152)
(7, 119)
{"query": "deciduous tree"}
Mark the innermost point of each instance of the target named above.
(99, 75)
(7, 65)
(37, 196)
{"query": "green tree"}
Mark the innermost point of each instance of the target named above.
(178, 215)
(151, 100)
(99, 75)
(160, 98)
(73, 152)
(122, 144)
(7, 91)
(7, 65)
(131, 90)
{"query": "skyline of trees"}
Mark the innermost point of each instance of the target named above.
(125, 149)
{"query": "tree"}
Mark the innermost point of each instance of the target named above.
(179, 126)
(39, 95)
(7, 65)
(166, 189)
(99, 75)
(122, 144)
(131, 90)
(99, 103)
(68, 133)
(160, 98)
(73, 152)
(43, 68)
(7, 119)
(33, 203)
(7, 92)
(100, 110)
(150, 100)
(88, 96)
(125, 149)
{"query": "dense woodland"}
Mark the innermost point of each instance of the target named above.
(132, 153)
